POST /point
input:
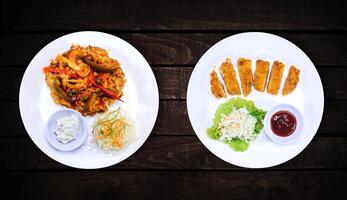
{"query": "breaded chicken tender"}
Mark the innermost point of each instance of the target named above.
(260, 75)
(245, 73)
(229, 77)
(217, 88)
(275, 78)
(292, 80)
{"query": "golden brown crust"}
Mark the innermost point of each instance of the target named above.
(245, 73)
(229, 77)
(275, 77)
(217, 88)
(260, 75)
(292, 80)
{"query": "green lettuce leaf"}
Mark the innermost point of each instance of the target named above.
(239, 145)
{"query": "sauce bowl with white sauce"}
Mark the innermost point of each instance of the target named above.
(66, 130)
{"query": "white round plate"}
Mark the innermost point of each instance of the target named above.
(308, 97)
(141, 99)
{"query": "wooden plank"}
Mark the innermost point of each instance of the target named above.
(177, 48)
(10, 83)
(175, 152)
(173, 119)
(173, 82)
(172, 15)
(174, 185)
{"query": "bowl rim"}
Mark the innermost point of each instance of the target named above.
(83, 125)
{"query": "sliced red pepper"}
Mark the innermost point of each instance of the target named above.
(106, 91)
(109, 93)
(61, 71)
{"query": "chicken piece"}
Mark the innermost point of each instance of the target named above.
(217, 88)
(260, 75)
(229, 77)
(245, 73)
(292, 80)
(275, 78)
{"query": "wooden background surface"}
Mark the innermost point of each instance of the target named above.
(173, 35)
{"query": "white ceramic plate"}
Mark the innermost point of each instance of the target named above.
(308, 97)
(141, 98)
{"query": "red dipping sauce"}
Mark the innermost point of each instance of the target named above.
(283, 123)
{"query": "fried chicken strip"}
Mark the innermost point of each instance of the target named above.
(275, 77)
(229, 77)
(245, 73)
(260, 75)
(292, 80)
(217, 88)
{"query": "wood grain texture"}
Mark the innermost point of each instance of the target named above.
(173, 119)
(174, 185)
(173, 82)
(172, 36)
(174, 153)
(176, 48)
(173, 15)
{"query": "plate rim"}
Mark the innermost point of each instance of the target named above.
(155, 103)
(189, 103)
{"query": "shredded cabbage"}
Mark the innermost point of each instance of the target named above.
(238, 142)
(113, 131)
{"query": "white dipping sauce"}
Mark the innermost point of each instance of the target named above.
(67, 128)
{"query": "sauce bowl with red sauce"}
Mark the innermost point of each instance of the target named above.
(283, 124)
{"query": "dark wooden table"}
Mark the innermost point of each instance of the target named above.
(173, 35)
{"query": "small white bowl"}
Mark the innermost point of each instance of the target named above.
(52, 137)
(288, 139)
